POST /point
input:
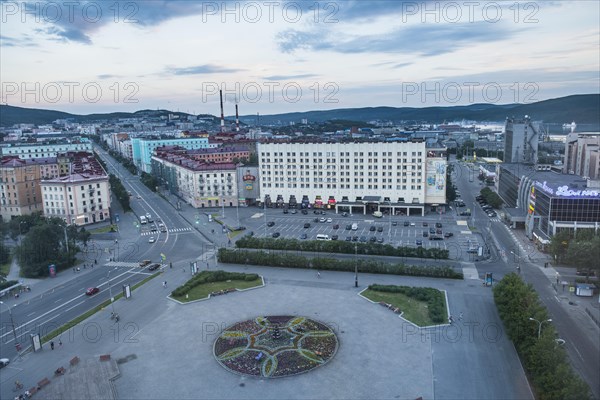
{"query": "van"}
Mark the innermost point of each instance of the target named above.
(355, 226)
(143, 219)
(320, 236)
(378, 214)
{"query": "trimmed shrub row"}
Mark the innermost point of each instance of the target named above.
(212, 276)
(433, 297)
(545, 361)
(340, 246)
(331, 264)
(7, 284)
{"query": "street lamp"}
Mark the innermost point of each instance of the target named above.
(112, 306)
(355, 265)
(540, 324)
(518, 259)
(390, 223)
(12, 322)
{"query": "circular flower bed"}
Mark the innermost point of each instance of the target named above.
(275, 346)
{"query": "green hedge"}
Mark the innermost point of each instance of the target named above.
(7, 284)
(340, 246)
(273, 259)
(433, 297)
(545, 361)
(212, 276)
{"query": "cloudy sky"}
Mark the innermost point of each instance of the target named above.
(286, 56)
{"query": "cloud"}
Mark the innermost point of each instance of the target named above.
(422, 39)
(200, 69)
(288, 77)
(25, 41)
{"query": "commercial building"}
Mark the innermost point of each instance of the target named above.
(81, 197)
(397, 177)
(582, 154)
(520, 141)
(142, 149)
(20, 184)
(545, 202)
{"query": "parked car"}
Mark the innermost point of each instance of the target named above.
(276, 234)
(406, 223)
(380, 229)
(348, 238)
(334, 237)
(438, 231)
(4, 362)
(419, 243)
(438, 224)
(372, 228)
(152, 239)
(344, 214)
(316, 220)
(303, 236)
(322, 219)
(448, 234)
(270, 223)
(294, 211)
(432, 231)
(394, 223)
(163, 228)
(307, 225)
(380, 240)
(363, 239)
(355, 238)
(153, 228)
(92, 291)
(348, 227)
(336, 226)
(285, 211)
(425, 224)
(373, 239)
(425, 234)
(329, 220)
(304, 212)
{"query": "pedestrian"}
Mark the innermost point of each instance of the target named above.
(95, 261)
(450, 319)
(51, 345)
(460, 316)
(207, 266)
(318, 274)
(59, 343)
(73, 269)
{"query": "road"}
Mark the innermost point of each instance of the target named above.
(582, 346)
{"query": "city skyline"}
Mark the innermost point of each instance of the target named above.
(277, 57)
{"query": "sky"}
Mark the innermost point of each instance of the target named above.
(286, 56)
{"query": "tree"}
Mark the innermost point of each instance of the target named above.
(559, 244)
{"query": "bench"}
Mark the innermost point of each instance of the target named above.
(43, 382)
(74, 361)
(33, 390)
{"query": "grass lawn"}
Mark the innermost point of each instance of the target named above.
(202, 291)
(415, 311)
(103, 229)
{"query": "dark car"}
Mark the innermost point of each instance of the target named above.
(438, 231)
(307, 225)
(348, 227)
(448, 234)
(270, 223)
(363, 239)
(334, 237)
(251, 233)
(436, 237)
(238, 228)
(153, 267)
(153, 228)
(406, 223)
(336, 226)
(316, 220)
(419, 243)
(438, 224)
(394, 223)
(276, 234)
(432, 231)
(91, 291)
(372, 228)
(380, 240)
(425, 224)
(303, 236)
(304, 212)
(380, 229)
(425, 234)
(372, 239)
(4, 362)
(348, 238)
(344, 214)
(285, 211)
(355, 238)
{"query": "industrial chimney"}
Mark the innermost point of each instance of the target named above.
(222, 115)
(237, 119)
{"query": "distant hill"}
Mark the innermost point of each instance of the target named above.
(583, 109)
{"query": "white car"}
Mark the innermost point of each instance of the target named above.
(4, 362)
(329, 220)
(322, 219)
(152, 239)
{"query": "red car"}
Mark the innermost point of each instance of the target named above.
(91, 291)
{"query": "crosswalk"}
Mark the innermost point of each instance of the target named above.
(173, 230)
(126, 264)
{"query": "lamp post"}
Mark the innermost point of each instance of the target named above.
(540, 324)
(12, 322)
(390, 223)
(112, 306)
(355, 265)
(518, 260)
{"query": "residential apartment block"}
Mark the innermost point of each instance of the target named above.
(20, 184)
(143, 148)
(81, 197)
(398, 177)
(28, 151)
(520, 141)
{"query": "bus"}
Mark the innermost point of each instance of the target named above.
(320, 236)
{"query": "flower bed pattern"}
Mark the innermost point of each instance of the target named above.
(275, 346)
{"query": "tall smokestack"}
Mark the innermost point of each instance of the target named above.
(222, 115)
(237, 119)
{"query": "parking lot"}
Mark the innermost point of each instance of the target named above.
(450, 234)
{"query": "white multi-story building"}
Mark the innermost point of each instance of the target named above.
(44, 150)
(401, 176)
(520, 141)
